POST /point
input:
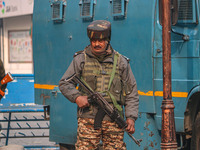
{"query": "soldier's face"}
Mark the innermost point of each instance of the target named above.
(99, 46)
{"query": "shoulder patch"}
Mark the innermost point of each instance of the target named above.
(77, 53)
(126, 58)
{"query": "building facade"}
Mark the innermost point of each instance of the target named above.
(16, 49)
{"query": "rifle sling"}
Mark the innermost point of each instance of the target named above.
(101, 113)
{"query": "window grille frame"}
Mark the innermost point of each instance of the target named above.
(60, 13)
(194, 13)
(91, 10)
(122, 13)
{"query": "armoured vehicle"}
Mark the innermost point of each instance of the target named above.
(59, 30)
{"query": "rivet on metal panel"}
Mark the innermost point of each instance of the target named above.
(70, 37)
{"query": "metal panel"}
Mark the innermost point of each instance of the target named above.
(146, 130)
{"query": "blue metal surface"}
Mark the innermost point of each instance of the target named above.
(146, 129)
(138, 36)
(20, 91)
(60, 112)
(35, 108)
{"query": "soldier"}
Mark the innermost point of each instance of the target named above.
(108, 72)
(2, 74)
(3, 87)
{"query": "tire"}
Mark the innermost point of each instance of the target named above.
(195, 140)
(66, 146)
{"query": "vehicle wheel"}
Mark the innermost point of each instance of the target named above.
(195, 141)
(66, 146)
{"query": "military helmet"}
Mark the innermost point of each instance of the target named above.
(99, 29)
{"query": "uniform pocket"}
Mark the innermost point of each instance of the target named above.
(116, 89)
(92, 82)
(116, 86)
(127, 88)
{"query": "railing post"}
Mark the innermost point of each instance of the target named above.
(8, 129)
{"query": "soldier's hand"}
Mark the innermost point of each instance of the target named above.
(82, 101)
(131, 126)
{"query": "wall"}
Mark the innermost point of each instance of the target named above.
(16, 24)
(21, 90)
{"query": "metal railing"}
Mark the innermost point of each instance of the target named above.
(19, 120)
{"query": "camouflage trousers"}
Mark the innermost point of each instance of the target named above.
(89, 139)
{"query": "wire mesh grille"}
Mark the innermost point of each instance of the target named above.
(86, 8)
(185, 10)
(117, 6)
(56, 11)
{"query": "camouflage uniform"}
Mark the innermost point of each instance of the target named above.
(95, 71)
(88, 138)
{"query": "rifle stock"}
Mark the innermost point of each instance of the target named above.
(8, 78)
(103, 104)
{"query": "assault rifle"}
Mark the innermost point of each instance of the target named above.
(6, 79)
(104, 108)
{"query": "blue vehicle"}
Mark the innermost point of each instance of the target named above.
(59, 30)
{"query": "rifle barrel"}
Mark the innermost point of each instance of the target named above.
(134, 139)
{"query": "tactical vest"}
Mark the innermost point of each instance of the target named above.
(97, 75)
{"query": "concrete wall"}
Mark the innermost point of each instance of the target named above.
(16, 24)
